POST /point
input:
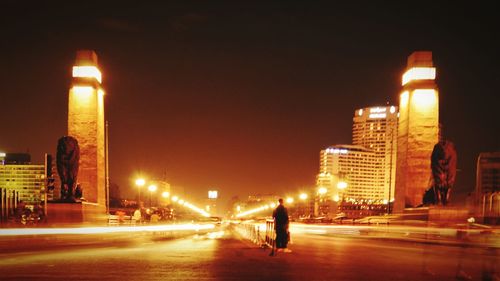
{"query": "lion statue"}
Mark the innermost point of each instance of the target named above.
(444, 170)
(68, 157)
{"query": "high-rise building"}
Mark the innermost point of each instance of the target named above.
(86, 124)
(488, 185)
(375, 128)
(418, 130)
(354, 173)
(18, 174)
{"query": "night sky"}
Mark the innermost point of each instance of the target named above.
(242, 97)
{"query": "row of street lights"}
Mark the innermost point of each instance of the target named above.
(140, 182)
(341, 185)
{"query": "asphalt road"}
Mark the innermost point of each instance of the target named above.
(223, 255)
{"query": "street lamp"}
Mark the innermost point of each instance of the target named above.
(140, 182)
(165, 194)
(342, 185)
(322, 190)
(152, 188)
(303, 196)
(289, 200)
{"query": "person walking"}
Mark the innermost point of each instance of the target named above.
(281, 223)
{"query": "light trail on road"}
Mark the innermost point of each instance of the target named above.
(104, 229)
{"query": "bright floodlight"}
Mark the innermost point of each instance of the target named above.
(165, 194)
(322, 190)
(303, 196)
(289, 200)
(140, 182)
(175, 198)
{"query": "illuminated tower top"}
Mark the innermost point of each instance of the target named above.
(86, 67)
(419, 68)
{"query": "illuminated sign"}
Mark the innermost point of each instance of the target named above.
(336, 151)
(377, 109)
(377, 115)
(87, 72)
(212, 194)
(419, 73)
(2, 154)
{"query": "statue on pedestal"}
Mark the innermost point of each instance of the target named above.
(444, 170)
(68, 157)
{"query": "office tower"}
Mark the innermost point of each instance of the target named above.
(375, 128)
(18, 174)
(354, 173)
(418, 130)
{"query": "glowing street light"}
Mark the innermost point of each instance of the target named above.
(152, 188)
(303, 196)
(140, 182)
(289, 200)
(322, 190)
(165, 194)
(342, 185)
(175, 198)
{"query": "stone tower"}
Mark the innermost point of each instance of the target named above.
(86, 124)
(418, 130)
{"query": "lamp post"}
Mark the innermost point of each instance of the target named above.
(152, 188)
(303, 204)
(321, 205)
(342, 185)
(165, 194)
(140, 182)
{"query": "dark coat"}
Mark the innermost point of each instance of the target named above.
(280, 216)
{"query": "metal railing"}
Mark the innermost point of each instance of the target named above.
(251, 231)
(115, 220)
(270, 233)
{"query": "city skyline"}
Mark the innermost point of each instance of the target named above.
(188, 92)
